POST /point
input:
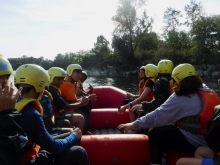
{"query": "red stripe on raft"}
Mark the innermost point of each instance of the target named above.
(117, 149)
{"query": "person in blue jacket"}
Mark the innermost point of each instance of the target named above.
(42, 148)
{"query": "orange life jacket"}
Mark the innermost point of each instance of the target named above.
(48, 94)
(142, 86)
(197, 123)
(32, 148)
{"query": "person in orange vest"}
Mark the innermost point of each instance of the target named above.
(69, 91)
(161, 90)
(33, 79)
(189, 107)
(146, 95)
(59, 105)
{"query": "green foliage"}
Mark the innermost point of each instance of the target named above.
(134, 44)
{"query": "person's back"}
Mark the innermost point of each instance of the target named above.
(61, 151)
(161, 88)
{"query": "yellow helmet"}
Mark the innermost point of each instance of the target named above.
(150, 71)
(72, 67)
(165, 66)
(56, 72)
(182, 71)
(5, 66)
(31, 74)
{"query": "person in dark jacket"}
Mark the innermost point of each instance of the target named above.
(13, 139)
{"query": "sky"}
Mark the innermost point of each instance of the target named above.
(47, 27)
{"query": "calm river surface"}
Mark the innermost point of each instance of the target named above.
(130, 83)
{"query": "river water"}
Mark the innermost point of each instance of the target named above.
(130, 83)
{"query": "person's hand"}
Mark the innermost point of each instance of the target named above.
(92, 97)
(122, 109)
(90, 89)
(7, 99)
(136, 107)
(78, 132)
(126, 127)
(85, 100)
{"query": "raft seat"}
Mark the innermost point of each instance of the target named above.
(117, 149)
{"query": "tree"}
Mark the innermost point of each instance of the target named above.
(101, 47)
(171, 18)
(194, 12)
(206, 36)
(129, 27)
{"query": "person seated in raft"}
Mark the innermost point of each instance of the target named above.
(33, 79)
(62, 119)
(202, 156)
(161, 89)
(64, 123)
(13, 139)
(207, 155)
(185, 108)
(69, 91)
(5, 70)
(147, 94)
(82, 92)
(130, 97)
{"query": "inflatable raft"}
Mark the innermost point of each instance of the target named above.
(108, 145)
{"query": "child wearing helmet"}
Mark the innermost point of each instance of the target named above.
(190, 107)
(5, 70)
(147, 94)
(69, 92)
(161, 89)
(54, 115)
(33, 79)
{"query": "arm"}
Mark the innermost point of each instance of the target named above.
(34, 127)
(74, 106)
(142, 97)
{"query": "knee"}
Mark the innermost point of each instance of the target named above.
(79, 152)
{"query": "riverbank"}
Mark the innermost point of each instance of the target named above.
(209, 71)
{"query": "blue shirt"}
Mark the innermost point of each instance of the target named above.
(33, 124)
(58, 101)
(47, 106)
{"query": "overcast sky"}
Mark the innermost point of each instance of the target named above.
(48, 27)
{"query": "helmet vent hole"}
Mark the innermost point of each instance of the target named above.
(22, 79)
(41, 83)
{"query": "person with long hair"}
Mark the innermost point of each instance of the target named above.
(189, 107)
(147, 94)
